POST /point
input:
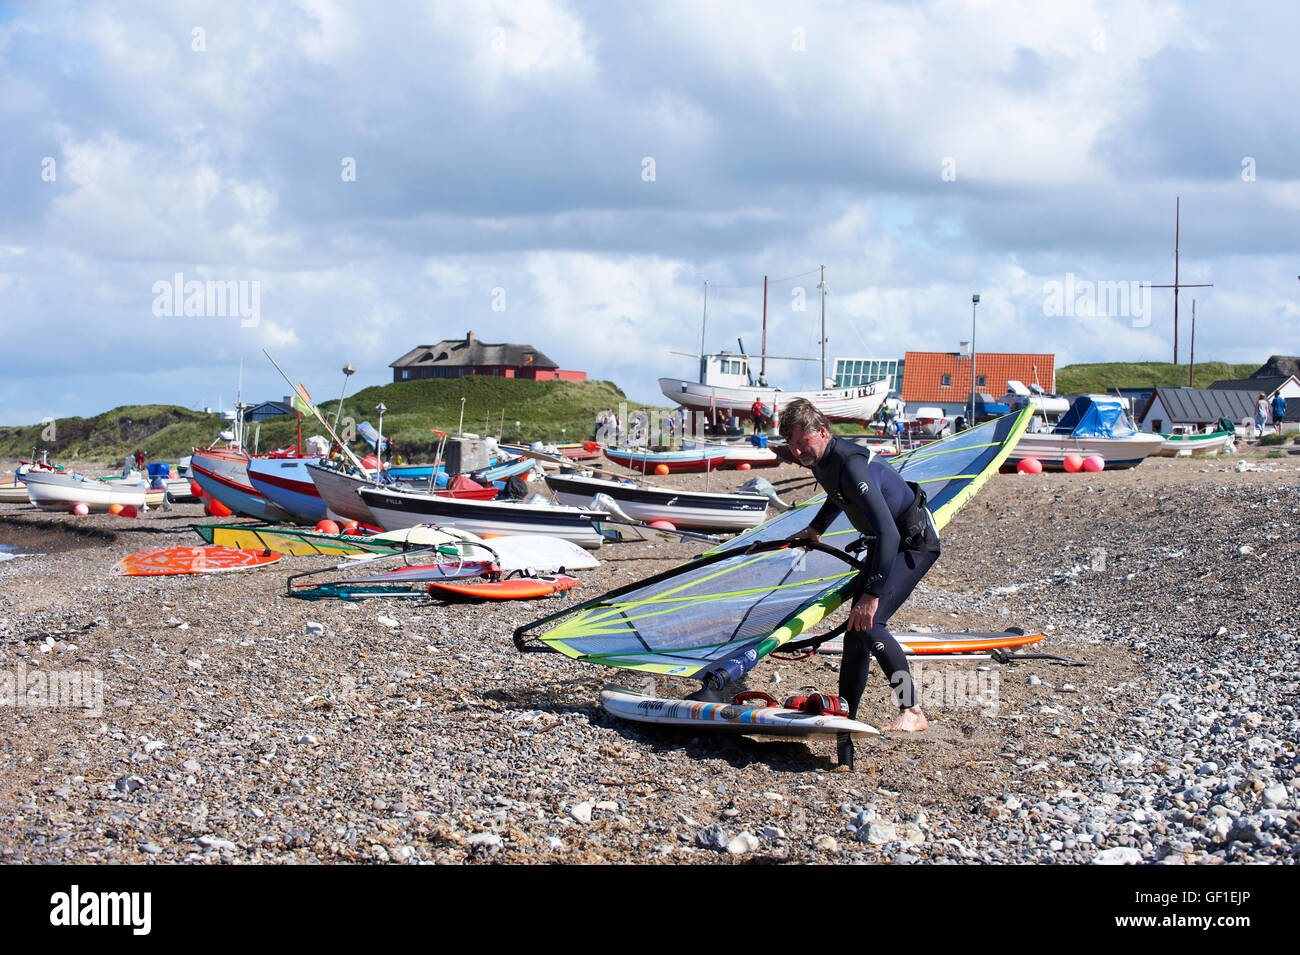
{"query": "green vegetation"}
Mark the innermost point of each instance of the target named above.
(1270, 439)
(547, 410)
(1101, 378)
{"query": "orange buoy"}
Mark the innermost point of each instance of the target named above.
(663, 525)
(195, 489)
(214, 508)
(326, 526)
(661, 469)
(1029, 466)
(1073, 463)
(1094, 463)
(349, 527)
(115, 509)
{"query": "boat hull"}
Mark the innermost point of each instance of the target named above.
(286, 483)
(1051, 449)
(223, 475)
(686, 510)
(51, 491)
(394, 510)
(1196, 445)
(677, 462)
(738, 454)
(838, 404)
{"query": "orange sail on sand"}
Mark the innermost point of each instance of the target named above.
(192, 560)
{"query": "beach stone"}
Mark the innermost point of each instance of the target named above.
(712, 836)
(127, 784)
(581, 812)
(743, 843)
(1122, 855)
(878, 833)
(484, 840)
(314, 629)
(1275, 796)
(771, 833)
(826, 843)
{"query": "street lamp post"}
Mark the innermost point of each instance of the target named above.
(348, 372)
(974, 301)
(379, 445)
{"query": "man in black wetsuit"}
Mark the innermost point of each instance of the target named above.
(877, 501)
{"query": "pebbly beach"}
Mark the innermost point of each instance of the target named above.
(234, 724)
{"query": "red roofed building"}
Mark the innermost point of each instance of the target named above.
(944, 378)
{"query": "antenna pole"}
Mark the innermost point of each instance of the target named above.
(762, 368)
(1178, 285)
(704, 323)
(1177, 223)
(822, 384)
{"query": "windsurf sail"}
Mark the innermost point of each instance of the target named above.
(716, 616)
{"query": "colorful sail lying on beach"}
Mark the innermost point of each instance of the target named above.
(717, 615)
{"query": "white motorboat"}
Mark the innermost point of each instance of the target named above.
(52, 491)
(1094, 425)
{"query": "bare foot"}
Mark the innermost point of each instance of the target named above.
(909, 721)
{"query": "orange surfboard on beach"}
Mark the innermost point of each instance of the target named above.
(192, 560)
(518, 588)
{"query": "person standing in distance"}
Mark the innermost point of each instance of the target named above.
(880, 503)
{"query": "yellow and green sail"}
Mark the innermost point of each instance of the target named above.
(733, 604)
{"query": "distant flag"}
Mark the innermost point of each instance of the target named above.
(302, 401)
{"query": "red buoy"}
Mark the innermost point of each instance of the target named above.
(326, 526)
(1029, 466)
(1094, 463)
(1073, 463)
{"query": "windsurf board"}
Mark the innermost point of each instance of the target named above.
(743, 719)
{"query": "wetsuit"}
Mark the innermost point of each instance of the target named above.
(873, 496)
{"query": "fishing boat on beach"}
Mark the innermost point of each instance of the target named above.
(677, 462)
(695, 510)
(53, 491)
(395, 509)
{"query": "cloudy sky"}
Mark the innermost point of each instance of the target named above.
(384, 175)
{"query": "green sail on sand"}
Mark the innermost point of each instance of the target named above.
(733, 602)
